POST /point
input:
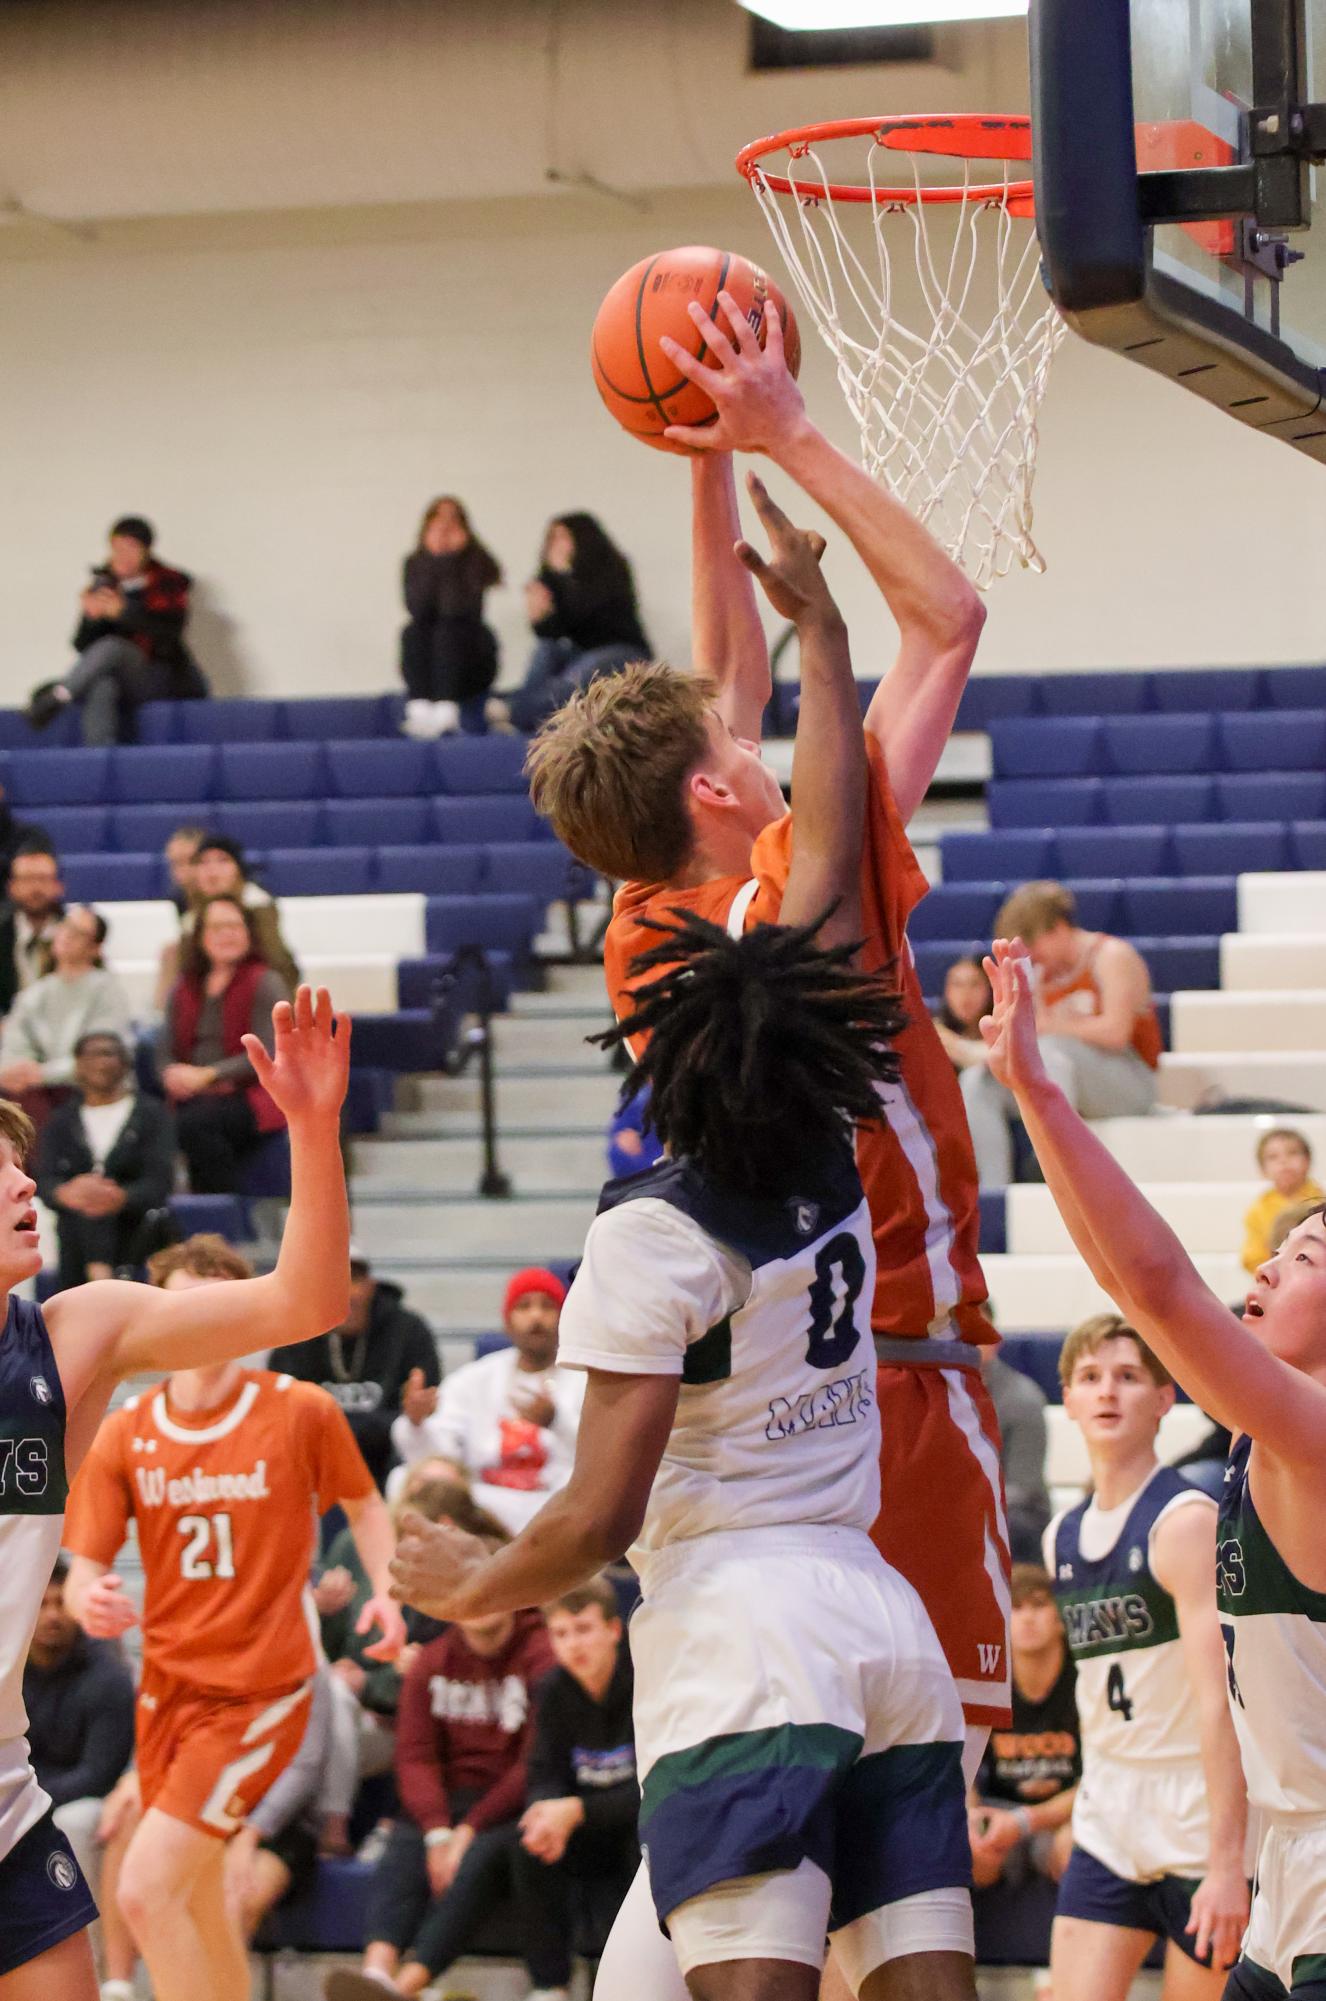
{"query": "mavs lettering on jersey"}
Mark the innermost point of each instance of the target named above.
(1098, 1624)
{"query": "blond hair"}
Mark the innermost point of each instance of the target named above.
(1035, 909)
(609, 770)
(1283, 1132)
(17, 1128)
(205, 1256)
(1092, 1335)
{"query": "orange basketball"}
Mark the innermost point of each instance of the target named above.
(640, 386)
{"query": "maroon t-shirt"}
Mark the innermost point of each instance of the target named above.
(464, 1725)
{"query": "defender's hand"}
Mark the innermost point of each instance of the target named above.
(1009, 1032)
(791, 578)
(308, 1074)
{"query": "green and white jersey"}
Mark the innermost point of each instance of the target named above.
(1133, 1698)
(1275, 1635)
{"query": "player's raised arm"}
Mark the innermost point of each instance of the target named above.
(728, 645)
(1136, 1257)
(134, 1328)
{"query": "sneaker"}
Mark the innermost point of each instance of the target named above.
(548, 1994)
(46, 703)
(373, 1846)
(497, 715)
(446, 718)
(351, 1983)
(418, 721)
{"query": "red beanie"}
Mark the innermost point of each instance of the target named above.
(535, 1279)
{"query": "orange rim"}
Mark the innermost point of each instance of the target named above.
(963, 135)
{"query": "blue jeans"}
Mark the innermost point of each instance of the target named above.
(556, 670)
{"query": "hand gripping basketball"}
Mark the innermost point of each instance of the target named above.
(751, 387)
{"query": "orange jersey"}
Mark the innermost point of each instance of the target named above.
(225, 1503)
(1082, 993)
(916, 1164)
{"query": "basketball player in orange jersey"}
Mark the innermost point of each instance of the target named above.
(59, 1364)
(655, 778)
(223, 1471)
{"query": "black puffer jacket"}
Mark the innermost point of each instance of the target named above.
(367, 1373)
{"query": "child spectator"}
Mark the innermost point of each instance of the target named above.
(448, 654)
(578, 1834)
(1021, 1816)
(1284, 1157)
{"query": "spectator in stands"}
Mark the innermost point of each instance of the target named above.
(79, 1696)
(509, 1420)
(579, 1851)
(583, 612)
(1099, 1034)
(274, 1855)
(225, 990)
(448, 654)
(463, 1733)
(181, 854)
(105, 1161)
(32, 909)
(966, 998)
(633, 1146)
(379, 1364)
(15, 833)
(1020, 1408)
(1021, 1815)
(1285, 1158)
(129, 641)
(49, 1018)
(220, 869)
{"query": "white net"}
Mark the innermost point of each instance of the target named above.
(947, 409)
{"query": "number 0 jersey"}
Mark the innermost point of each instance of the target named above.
(761, 1305)
(224, 1501)
(1134, 1702)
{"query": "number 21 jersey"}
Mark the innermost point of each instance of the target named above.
(224, 1501)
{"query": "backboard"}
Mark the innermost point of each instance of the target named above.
(1176, 158)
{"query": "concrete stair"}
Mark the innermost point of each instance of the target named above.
(1049, 1294)
(1205, 1216)
(1219, 1147)
(1272, 1019)
(1277, 961)
(1290, 1075)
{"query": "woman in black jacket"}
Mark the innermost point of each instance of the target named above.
(105, 1160)
(583, 612)
(448, 654)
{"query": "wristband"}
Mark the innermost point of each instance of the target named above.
(436, 1837)
(1022, 1816)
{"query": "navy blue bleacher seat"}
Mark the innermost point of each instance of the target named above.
(63, 733)
(354, 823)
(479, 764)
(1180, 964)
(320, 718)
(82, 830)
(319, 872)
(1132, 802)
(994, 1235)
(1004, 855)
(270, 771)
(1049, 747)
(1110, 851)
(1229, 847)
(1295, 687)
(935, 956)
(503, 816)
(1171, 744)
(239, 719)
(270, 823)
(987, 697)
(1036, 802)
(954, 908)
(1095, 694)
(1099, 902)
(1194, 691)
(1246, 795)
(423, 982)
(145, 774)
(137, 830)
(157, 722)
(543, 868)
(383, 768)
(112, 878)
(1307, 843)
(59, 778)
(223, 1214)
(429, 870)
(410, 1039)
(1279, 740)
(499, 923)
(1195, 907)
(266, 1172)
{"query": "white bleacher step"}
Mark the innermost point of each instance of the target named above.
(456, 1299)
(1219, 1146)
(1293, 1076)
(1272, 1019)
(531, 1043)
(1051, 1294)
(563, 985)
(1204, 1215)
(1290, 901)
(537, 1163)
(438, 1229)
(1066, 1462)
(556, 1102)
(1276, 961)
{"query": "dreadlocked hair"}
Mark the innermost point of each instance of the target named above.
(759, 1048)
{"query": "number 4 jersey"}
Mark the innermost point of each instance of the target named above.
(225, 1502)
(761, 1305)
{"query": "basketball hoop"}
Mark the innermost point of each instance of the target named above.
(948, 412)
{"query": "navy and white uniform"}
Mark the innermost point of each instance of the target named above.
(1141, 1825)
(793, 1709)
(43, 1897)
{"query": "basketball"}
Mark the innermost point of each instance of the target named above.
(637, 382)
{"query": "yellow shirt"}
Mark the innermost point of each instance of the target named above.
(1259, 1219)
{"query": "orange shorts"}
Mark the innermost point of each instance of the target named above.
(942, 1521)
(208, 1758)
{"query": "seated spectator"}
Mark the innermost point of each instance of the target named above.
(220, 869)
(633, 1146)
(508, 1421)
(129, 641)
(105, 1160)
(578, 1834)
(79, 1695)
(381, 1362)
(14, 834)
(274, 1855)
(1020, 1408)
(1285, 1159)
(967, 997)
(463, 1733)
(583, 612)
(1099, 1034)
(181, 854)
(448, 654)
(1021, 1815)
(49, 1018)
(34, 903)
(225, 991)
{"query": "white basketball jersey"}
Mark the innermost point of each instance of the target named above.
(761, 1305)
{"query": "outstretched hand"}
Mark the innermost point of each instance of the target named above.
(752, 388)
(1009, 1032)
(307, 1075)
(792, 579)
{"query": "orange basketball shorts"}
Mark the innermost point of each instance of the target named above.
(942, 1521)
(207, 1758)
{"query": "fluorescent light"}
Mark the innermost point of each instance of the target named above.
(879, 13)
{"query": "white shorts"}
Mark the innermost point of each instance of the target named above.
(1288, 1921)
(1144, 1821)
(792, 1707)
